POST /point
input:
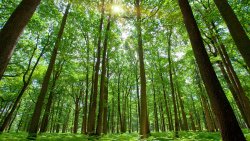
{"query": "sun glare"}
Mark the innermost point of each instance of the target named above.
(117, 9)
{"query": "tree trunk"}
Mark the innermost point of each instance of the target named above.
(40, 101)
(137, 92)
(45, 119)
(234, 93)
(85, 109)
(12, 29)
(244, 100)
(205, 104)
(196, 115)
(77, 110)
(119, 116)
(14, 117)
(105, 112)
(239, 35)
(183, 113)
(99, 127)
(92, 91)
(230, 129)
(176, 129)
(169, 117)
(92, 111)
(143, 117)
(156, 124)
(163, 127)
(24, 87)
(112, 116)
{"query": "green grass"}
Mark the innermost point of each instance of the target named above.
(168, 136)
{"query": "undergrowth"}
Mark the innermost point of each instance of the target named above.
(166, 136)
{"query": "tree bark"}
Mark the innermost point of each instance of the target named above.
(105, 114)
(92, 111)
(230, 129)
(205, 104)
(99, 127)
(156, 123)
(45, 119)
(183, 113)
(76, 116)
(119, 116)
(144, 116)
(24, 87)
(163, 127)
(85, 109)
(13, 28)
(169, 117)
(176, 129)
(239, 35)
(40, 101)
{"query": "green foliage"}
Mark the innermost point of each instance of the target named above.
(184, 136)
(81, 33)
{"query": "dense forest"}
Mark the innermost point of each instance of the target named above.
(125, 70)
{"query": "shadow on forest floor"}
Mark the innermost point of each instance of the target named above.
(168, 136)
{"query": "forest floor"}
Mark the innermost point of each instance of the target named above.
(184, 136)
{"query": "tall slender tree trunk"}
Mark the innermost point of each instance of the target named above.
(12, 29)
(168, 111)
(24, 87)
(194, 110)
(40, 101)
(234, 93)
(156, 123)
(45, 119)
(228, 72)
(92, 91)
(244, 100)
(76, 116)
(183, 113)
(92, 110)
(239, 35)
(230, 129)
(169, 117)
(176, 129)
(106, 105)
(113, 116)
(119, 114)
(230, 76)
(85, 109)
(144, 116)
(163, 127)
(99, 127)
(137, 92)
(14, 117)
(130, 114)
(205, 104)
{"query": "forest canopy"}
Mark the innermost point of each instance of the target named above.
(153, 69)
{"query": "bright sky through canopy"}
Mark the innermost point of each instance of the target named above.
(117, 9)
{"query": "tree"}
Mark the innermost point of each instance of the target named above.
(13, 28)
(144, 129)
(176, 129)
(229, 126)
(45, 119)
(239, 35)
(40, 100)
(93, 102)
(99, 128)
(26, 82)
